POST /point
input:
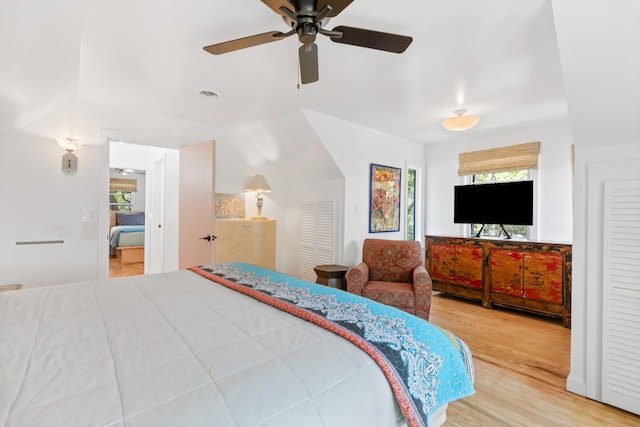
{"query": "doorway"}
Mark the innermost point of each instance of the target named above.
(153, 205)
(137, 153)
(127, 194)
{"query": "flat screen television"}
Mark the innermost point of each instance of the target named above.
(500, 203)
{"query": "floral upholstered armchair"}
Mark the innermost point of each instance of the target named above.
(392, 272)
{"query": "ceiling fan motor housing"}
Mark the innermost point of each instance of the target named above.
(307, 30)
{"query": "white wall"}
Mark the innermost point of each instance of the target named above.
(286, 151)
(553, 217)
(594, 166)
(289, 153)
(37, 197)
(599, 45)
(293, 151)
(354, 148)
(299, 149)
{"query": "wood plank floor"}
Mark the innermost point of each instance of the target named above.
(521, 363)
(117, 269)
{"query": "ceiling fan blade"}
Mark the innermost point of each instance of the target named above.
(275, 5)
(258, 39)
(336, 5)
(372, 39)
(308, 54)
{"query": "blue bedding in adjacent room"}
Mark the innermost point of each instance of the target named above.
(126, 235)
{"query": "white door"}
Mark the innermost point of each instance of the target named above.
(156, 226)
(319, 228)
(197, 200)
(621, 295)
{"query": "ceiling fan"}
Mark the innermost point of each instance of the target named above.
(307, 19)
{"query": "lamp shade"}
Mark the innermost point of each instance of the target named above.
(258, 184)
(69, 143)
(460, 122)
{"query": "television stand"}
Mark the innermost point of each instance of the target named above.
(530, 276)
(501, 226)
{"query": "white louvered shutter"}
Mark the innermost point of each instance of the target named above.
(621, 295)
(306, 255)
(325, 232)
(317, 236)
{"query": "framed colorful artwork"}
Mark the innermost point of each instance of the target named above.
(384, 203)
(229, 205)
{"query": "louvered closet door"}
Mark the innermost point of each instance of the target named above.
(325, 232)
(317, 236)
(306, 251)
(621, 295)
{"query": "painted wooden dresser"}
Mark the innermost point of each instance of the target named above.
(526, 275)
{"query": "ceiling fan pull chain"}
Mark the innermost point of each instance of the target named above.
(298, 62)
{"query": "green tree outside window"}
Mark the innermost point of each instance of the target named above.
(494, 230)
(121, 201)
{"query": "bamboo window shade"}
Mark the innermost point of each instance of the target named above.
(121, 184)
(502, 159)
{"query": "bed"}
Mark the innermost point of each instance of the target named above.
(126, 236)
(223, 345)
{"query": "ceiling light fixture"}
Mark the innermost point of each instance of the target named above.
(125, 171)
(209, 94)
(460, 122)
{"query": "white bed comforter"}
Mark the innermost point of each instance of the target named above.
(177, 349)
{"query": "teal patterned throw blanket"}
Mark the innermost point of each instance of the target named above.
(426, 366)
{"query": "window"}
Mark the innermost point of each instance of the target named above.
(122, 194)
(411, 204)
(512, 163)
(495, 230)
(121, 200)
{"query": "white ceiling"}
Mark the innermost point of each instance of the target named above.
(496, 58)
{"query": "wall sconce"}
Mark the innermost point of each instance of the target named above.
(69, 160)
(260, 185)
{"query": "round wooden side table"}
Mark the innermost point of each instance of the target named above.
(332, 275)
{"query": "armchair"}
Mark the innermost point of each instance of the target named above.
(392, 272)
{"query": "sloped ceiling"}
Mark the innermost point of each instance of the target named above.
(496, 58)
(292, 145)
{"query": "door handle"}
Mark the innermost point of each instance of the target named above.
(209, 238)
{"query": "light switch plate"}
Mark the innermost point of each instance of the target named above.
(89, 215)
(64, 229)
